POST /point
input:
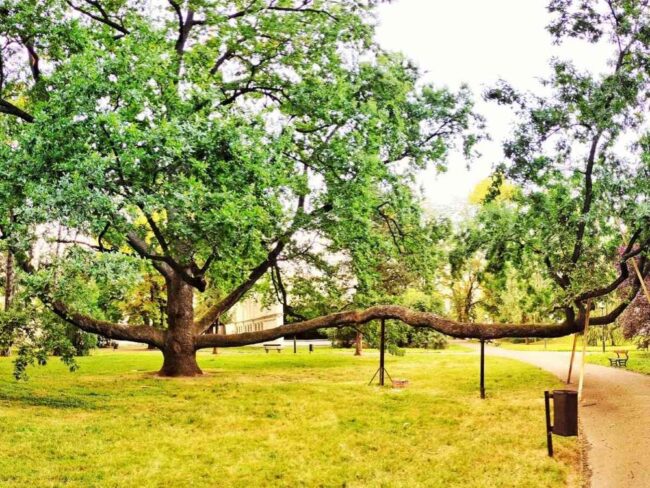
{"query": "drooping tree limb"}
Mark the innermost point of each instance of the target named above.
(10, 109)
(624, 273)
(139, 333)
(393, 312)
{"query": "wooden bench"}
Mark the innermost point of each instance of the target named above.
(618, 361)
(268, 347)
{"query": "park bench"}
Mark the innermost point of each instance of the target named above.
(268, 347)
(618, 361)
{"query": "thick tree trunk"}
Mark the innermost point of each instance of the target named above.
(179, 361)
(179, 350)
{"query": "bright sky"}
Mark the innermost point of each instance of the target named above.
(476, 42)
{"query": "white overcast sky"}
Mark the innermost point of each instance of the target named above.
(477, 42)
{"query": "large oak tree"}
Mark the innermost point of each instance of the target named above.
(221, 141)
(214, 140)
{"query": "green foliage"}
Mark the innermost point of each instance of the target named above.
(37, 334)
(398, 335)
(263, 124)
(579, 158)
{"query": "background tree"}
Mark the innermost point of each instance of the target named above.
(580, 156)
(492, 279)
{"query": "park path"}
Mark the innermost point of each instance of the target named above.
(614, 413)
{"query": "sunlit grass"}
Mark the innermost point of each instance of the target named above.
(639, 361)
(272, 419)
(559, 344)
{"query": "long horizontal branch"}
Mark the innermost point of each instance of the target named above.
(393, 312)
(139, 333)
(212, 315)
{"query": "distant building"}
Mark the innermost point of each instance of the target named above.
(251, 316)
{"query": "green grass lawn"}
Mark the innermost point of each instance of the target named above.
(639, 361)
(560, 344)
(260, 420)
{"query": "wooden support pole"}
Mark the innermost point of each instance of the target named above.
(573, 353)
(483, 368)
(215, 330)
(549, 427)
(382, 348)
(585, 337)
(295, 347)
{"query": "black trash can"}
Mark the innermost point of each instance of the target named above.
(565, 413)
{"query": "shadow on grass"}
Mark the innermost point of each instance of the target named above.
(47, 401)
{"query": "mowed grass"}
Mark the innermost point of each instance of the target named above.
(639, 361)
(560, 344)
(260, 420)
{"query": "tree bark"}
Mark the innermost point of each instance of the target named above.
(357, 344)
(179, 351)
(394, 312)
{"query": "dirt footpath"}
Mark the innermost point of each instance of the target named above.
(615, 414)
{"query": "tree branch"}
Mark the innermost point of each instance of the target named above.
(393, 312)
(11, 109)
(212, 315)
(614, 314)
(624, 273)
(301, 9)
(158, 262)
(588, 197)
(140, 333)
(104, 18)
(184, 26)
(33, 59)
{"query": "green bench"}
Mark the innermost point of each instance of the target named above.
(620, 361)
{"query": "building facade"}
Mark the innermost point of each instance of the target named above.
(251, 316)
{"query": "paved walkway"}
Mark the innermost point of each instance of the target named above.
(615, 415)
